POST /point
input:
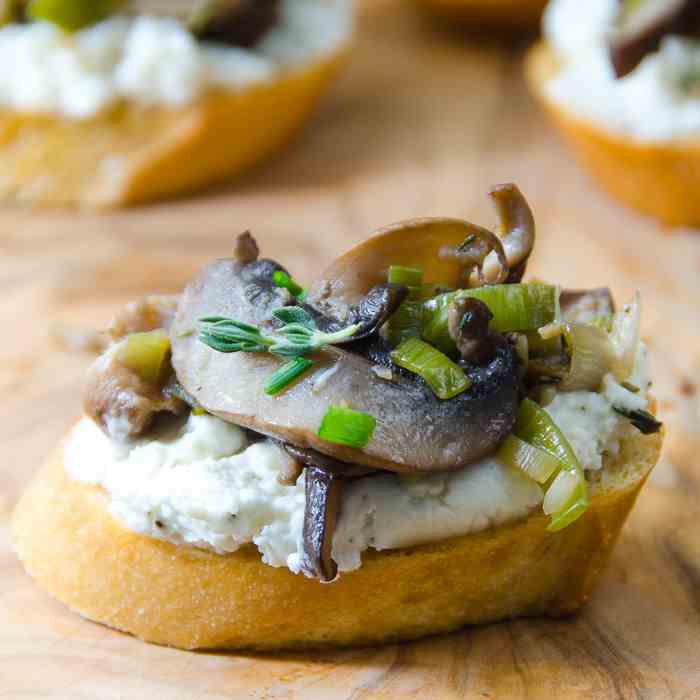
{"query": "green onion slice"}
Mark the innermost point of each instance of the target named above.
(283, 280)
(409, 276)
(536, 463)
(444, 377)
(343, 426)
(515, 307)
(286, 374)
(406, 323)
(569, 498)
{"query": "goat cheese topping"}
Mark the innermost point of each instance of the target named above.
(202, 482)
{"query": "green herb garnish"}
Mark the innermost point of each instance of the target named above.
(286, 374)
(283, 280)
(297, 337)
(343, 426)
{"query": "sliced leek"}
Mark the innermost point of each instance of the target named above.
(624, 338)
(566, 498)
(146, 354)
(406, 323)
(444, 377)
(536, 463)
(591, 357)
(515, 307)
(409, 276)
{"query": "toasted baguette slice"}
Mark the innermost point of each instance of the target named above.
(498, 14)
(175, 595)
(135, 154)
(661, 179)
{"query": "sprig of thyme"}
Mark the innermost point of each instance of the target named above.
(298, 336)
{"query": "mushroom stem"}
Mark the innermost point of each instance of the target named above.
(517, 232)
(468, 324)
(323, 496)
(473, 252)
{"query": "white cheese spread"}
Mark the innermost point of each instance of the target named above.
(203, 483)
(658, 100)
(153, 61)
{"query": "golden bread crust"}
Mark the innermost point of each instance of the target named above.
(187, 598)
(134, 154)
(660, 179)
(503, 14)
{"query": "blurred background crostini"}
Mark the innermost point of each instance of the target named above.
(621, 81)
(111, 102)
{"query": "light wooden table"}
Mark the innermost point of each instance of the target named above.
(421, 124)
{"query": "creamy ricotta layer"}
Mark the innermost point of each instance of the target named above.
(153, 61)
(659, 100)
(203, 483)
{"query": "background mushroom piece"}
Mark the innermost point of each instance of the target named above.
(415, 432)
(641, 29)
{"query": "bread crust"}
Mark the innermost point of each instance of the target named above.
(134, 153)
(498, 14)
(187, 598)
(660, 179)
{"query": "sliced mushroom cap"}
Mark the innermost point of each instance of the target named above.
(641, 28)
(324, 491)
(422, 243)
(414, 243)
(416, 431)
(312, 458)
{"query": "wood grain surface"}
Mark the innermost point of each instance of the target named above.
(424, 120)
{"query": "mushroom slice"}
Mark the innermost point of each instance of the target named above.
(422, 243)
(312, 458)
(371, 313)
(415, 432)
(641, 26)
(324, 491)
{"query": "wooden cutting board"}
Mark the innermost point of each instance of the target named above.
(422, 123)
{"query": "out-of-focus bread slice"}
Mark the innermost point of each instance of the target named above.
(135, 153)
(661, 179)
(175, 595)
